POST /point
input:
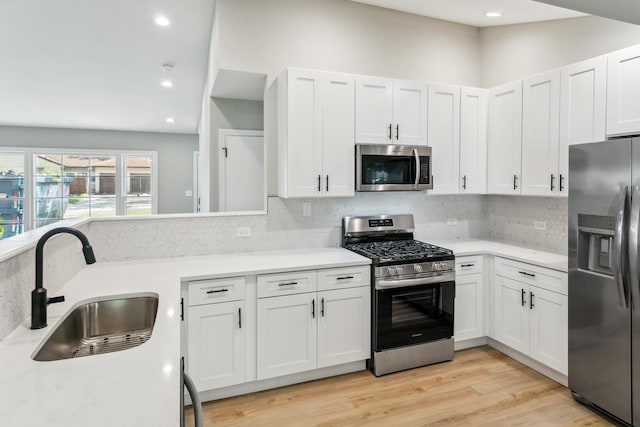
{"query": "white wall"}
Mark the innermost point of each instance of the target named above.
(175, 154)
(512, 52)
(340, 35)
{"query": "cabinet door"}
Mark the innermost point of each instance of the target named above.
(468, 320)
(216, 343)
(583, 93)
(344, 326)
(409, 113)
(540, 134)
(511, 313)
(374, 111)
(287, 335)
(303, 156)
(549, 327)
(444, 137)
(623, 92)
(338, 122)
(505, 138)
(473, 140)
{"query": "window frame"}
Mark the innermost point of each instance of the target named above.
(30, 173)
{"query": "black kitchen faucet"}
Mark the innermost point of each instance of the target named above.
(39, 298)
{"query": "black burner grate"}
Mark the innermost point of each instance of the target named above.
(399, 250)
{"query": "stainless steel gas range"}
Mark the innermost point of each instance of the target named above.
(413, 291)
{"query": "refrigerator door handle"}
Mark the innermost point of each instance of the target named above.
(634, 230)
(619, 258)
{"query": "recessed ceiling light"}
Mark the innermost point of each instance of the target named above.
(163, 21)
(170, 120)
(167, 83)
(493, 14)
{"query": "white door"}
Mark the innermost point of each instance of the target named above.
(583, 97)
(444, 137)
(344, 326)
(511, 313)
(242, 185)
(216, 345)
(540, 134)
(504, 139)
(304, 139)
(623, 92)
(287, 335)
(338, 148)
(374, 111)
(409, 113)
(473, 140)
(549, 326)
(468, 319)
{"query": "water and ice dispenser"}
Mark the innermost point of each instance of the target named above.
(595, 243)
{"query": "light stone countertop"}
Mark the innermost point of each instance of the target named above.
(519, 253)
(136, 387)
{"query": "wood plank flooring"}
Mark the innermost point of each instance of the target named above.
(480, 387)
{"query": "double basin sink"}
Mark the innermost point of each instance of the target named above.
(101, 326)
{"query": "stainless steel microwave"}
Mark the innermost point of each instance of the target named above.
(393, 168)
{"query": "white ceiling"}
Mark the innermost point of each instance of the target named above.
(472, 12)
(97, 64)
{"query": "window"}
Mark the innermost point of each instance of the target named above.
(65, 184)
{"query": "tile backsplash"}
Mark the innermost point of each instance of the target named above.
(438, 218)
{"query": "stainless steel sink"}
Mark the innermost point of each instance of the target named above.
(101, 326)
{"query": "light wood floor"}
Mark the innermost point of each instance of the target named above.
(480, 387)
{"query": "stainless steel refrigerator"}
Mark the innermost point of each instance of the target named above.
(604, 290)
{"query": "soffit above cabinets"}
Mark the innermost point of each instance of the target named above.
(94, 64)
(472, 12)
(620, 10)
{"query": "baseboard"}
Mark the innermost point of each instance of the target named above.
(473, 342)
(254, 386)
(531, 363)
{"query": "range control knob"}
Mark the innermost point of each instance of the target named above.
(399, 271)
(435, 266)
(391, 271)
(418, 268)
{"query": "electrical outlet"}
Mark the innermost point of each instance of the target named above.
(540, 225)
(188, 193)
(306, 209)
(243, 232)
(452, 221)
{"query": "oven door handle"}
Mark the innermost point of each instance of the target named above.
(417, 156)
(417, 281)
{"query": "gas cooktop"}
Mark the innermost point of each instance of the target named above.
(400, 250)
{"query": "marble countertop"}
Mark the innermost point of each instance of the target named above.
(508, 250)
(139, 386)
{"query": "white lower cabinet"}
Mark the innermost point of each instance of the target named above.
(305, 331)
(469, 308)
(216, 345)
(531, 312)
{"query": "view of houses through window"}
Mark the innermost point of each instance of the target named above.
(72, 185)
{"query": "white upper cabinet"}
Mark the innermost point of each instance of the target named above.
(390, 111)
(540, 134)
(505, 138)
(583, 97)
(444, 137)
(473, 140)
(623, 92)
(316, 153)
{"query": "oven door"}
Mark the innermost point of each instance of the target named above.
(413, 314)
(393, 168)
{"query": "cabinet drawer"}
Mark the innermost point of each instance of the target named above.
(271, 285)
(552, 280)
(469, 265)
(216, 290)
(340, 278)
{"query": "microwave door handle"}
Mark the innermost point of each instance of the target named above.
(417, 156)
(619, 264)
(634, 230)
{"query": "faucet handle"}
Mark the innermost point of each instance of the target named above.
(55, 299)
